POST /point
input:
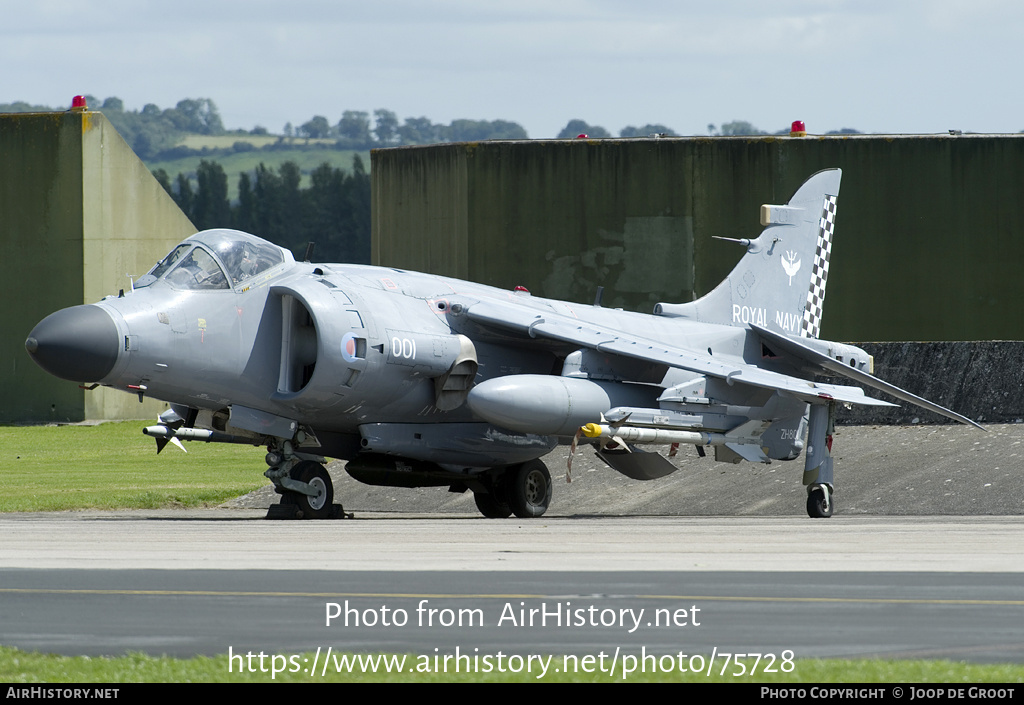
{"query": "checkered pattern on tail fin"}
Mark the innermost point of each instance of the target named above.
(819, 274)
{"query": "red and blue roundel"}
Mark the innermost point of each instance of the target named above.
(348, 347)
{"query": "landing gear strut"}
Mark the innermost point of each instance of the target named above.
(818, 462)
(304, 485)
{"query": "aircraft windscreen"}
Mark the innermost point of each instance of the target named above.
(169, 261)
(242, 255)
(246, 259)
(197, 270)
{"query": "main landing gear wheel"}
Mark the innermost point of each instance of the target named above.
(321, 504)
(490, 506)
(529, 489)
(820, 506)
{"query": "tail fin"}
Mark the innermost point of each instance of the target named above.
(780, 283)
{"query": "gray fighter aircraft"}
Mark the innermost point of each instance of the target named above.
(419, 380)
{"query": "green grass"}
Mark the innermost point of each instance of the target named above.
(18, 666)
(238, 162)
(114, 466)
(227, 141)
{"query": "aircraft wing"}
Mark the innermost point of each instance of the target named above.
(509, 316)
(794, 347)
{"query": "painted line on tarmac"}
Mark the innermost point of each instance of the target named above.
(510, 596)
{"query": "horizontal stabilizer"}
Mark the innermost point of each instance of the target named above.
(793, 346)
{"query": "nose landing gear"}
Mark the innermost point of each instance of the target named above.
(304, 484)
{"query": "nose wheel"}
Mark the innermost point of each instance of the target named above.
(306, 493)
(318, 505)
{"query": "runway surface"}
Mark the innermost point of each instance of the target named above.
(900, 571)
(191, 582)
(225, 539)
(930, 615)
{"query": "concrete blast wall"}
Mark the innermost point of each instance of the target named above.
(78, 212)
(929, 236)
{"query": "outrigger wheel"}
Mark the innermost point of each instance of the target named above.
(819, 502)
(818, 462)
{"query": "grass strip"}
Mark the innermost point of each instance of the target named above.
(114, 466)
(18, 666)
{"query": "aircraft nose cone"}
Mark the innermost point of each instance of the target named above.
(78, 343)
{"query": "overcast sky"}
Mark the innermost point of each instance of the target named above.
(919, 66)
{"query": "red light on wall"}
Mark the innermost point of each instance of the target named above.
(797, 129)
(78, 103)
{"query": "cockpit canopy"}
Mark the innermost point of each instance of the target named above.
(216, 259)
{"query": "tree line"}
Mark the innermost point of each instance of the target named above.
(156, 134)
(736, 128)
(333, 211)
(355, 131)
(152, 130)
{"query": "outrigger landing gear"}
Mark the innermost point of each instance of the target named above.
(819, 502)
(304, 485)
(818, 464)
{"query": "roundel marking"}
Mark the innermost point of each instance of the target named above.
(348, 347)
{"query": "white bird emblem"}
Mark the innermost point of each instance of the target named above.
(791, 266)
